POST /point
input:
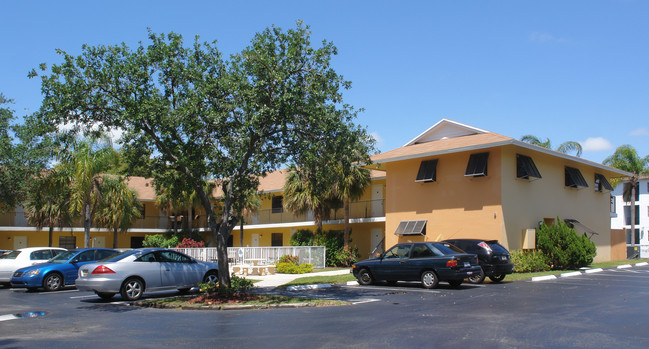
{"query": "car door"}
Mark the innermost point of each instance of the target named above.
(71, 268)
(179, 270)
(394, 263)
(149, 267)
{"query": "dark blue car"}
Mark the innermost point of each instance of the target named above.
(59, 271)
(428, 262)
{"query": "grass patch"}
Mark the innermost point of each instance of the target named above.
(262, 300)
(613, 264)
(603, 265)
(324, 279)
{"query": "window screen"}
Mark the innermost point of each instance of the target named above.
(277, 204)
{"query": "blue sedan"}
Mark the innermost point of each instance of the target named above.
(59, 271)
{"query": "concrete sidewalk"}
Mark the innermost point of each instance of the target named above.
(275, 280)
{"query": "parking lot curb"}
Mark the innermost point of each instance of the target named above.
(574, 273)
(590, 271)
(625, 266)
(543, 278)
(307, 287)
(352, 283)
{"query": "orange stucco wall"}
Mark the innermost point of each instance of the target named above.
(454, 206)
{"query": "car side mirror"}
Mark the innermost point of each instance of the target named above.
(74, 261)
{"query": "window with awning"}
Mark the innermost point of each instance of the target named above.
(574, 179)
(601, 183)
(427, 171)
(477, 166)
(411, 228)
(525, 167)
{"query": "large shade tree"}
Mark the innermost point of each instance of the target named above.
(626, 158)
(25, 150)
(187, 110)
(565, 147)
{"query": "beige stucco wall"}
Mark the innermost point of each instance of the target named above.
(454, 206)
(525, 202)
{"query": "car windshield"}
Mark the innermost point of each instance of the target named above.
(10, 255)
(447, 248)
(63, 257)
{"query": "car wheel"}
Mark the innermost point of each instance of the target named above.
(455, 283)
(211, 277)
(105, 295)
(132, 289)
(497, 277)
(429, 279)
(53, 282)
(477, 278)
(365, 277)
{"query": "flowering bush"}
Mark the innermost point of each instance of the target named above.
(187, 243)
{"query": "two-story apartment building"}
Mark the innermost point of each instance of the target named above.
(621, 215)
(451, 181)
(458, 181)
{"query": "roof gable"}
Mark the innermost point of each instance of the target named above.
(445, 129)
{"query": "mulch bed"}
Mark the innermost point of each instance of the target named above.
(217, 298)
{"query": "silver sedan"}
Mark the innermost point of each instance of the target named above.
(133, 272)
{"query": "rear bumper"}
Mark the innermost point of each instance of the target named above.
(98, 285)
(498, 269)
(458, 274)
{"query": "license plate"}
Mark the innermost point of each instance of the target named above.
(467, 264)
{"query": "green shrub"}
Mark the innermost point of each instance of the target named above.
(333, 241)
(529, 261)
(160, 240)
(564, 248)
(302, 237)
(237, 286)
(292, 268)
(344, 258)
(289, 259)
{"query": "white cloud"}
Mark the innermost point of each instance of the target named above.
(596, 144)
(639, 132)
(114, 134)
(379, 140)
(545, 37)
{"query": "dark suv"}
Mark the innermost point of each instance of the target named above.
(492, 256)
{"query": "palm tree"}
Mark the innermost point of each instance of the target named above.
(565, 147)
(250, 204)
(118, 207)
(302, 192)
(47, 202)
(626, 158)
(84, 166)
(350, 185)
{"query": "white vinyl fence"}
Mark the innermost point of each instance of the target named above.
(263, 255)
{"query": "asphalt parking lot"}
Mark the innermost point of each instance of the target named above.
(607, 309)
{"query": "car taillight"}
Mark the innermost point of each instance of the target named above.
(102, 269)
(452, 263)
(485, 246)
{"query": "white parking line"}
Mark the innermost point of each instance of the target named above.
(88, 296)
(364, 301)
(8, 317)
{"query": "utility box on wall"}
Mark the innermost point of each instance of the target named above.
(529, 239)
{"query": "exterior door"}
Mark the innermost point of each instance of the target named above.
(255, 240)
(20, 242)
(99, 241)
(377, 201)
(376, 241)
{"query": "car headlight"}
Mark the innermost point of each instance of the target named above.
(32, 272)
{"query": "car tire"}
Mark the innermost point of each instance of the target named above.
(105, 295)
(365, 277)
(429, 279)
(211, 277)
(132, 289)
(477, 278)
(497, 277)
(455, 283)
(53, 282)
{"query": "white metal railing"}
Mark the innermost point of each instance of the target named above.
(267, 255)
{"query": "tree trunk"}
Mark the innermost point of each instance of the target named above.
(86, 225)
(190, 217)
(241, 231)
(114, 237)
(51, 229)
(346, 218)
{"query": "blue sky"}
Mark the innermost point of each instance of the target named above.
(565, 70)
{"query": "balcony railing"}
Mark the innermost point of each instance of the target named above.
(357, 209)
(266, 255)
